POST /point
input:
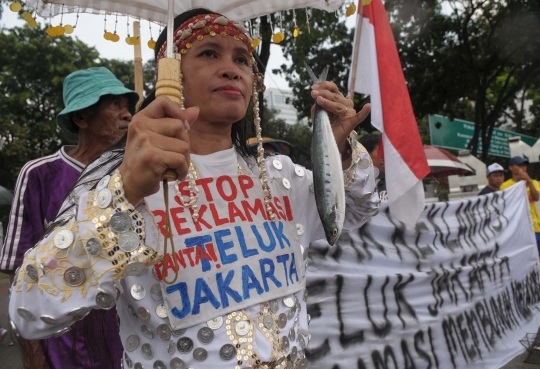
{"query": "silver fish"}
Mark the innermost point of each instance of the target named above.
(327, 171)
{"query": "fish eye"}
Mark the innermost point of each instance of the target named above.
(334, 232)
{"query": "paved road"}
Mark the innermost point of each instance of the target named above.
(10, 357)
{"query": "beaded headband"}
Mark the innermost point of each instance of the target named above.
(202, 25)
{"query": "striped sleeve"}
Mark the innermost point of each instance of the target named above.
(25, 224)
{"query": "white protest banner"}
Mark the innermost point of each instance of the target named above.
(458, 291)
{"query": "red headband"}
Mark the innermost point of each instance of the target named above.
(199, 26)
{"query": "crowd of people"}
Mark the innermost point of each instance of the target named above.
(103, 279)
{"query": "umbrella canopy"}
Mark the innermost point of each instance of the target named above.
(443, 164)
(156, 10)
(5, 196)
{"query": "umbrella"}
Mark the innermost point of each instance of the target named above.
(285, 147)
(5, 196)
(443, 164)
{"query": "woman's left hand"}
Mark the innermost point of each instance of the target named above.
(340, 110)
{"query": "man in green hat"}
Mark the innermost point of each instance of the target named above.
(98, 108)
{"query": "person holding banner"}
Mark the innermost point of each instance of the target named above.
(495, 177)
(518, 168)
(208, 272)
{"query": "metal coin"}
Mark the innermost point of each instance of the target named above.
(200, 354)
(138, 366)
(286, 183)
(302, 341)
(299, 171)
(288, 301)
(303, 332)
(299, 229)
(128, 241)
(302, 364)
(158, 364)
(61, 332)
(277, 164)
(285, 343)
(215, 323)
(274, 306)
(127, 359)
(227, 352)
(364, 163)
(79, 313)
(268, 322)
(161, 311)
(155, 292)
(171, 347)
(177, 363)
(132, 342)
(292, 334)
(147, 351)
(147, 332)
(135, 268)
(103, 182)
(282, 320)
(31, 273)
(106, 155)
(305, 295)
(179, 332)
(294, 352)
(104, 198)
(143, 314)
(184, 345)
(205, 335)
(120, 222)
(63, 239)
(93, 246)
(74, 276)
(164, 332)
(49, 320)
(242, 328)
(291, 313)
(137, 292)
(105, 300)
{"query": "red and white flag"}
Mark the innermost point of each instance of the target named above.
(379, 74)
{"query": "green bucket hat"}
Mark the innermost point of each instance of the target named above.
(84, 88)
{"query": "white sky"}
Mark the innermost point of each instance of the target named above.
(90, 31)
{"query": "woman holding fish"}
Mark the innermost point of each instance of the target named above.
(208, 272)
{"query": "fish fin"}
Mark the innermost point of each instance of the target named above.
(310, 73)
(324, 74)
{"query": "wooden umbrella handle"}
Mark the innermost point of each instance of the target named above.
(168, 84)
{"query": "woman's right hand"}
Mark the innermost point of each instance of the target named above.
(157, 140)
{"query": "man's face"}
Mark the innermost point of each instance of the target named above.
(110, 120)
(516, 169)
(495, 179)
(377, 162)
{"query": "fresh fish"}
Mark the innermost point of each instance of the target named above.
(327, 171)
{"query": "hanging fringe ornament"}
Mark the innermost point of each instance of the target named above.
(115, 37)
(351, 10)
(256, 39)
(15, 6)
(106, 35)
(277, 37)
(128, 38)
(27, 16)
(66, 29)
(296, 31)
(307, 21)
(151, 43)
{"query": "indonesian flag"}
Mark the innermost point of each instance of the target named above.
(379, 74)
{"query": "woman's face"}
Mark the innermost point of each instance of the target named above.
(217, 77)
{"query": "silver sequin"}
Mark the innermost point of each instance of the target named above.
(299, 171)
(49, 320)
(215, 323)
(120, 222)
(277, 164)
(147, 332)
(106, 155)
(299, 229)
(242, 328)
(74, 276)
(205, 335)
(171, 347)
(200, 354)
(302, 342)
(25, 314)
(103, 182)
(227, 352)
(288, 301)
(274, 306)
(31, 273)
(135, 268)
(132, 342)
(161, 311)
(104, 198)
(292, 334)
(282, 320)
(105, 300)
(285, 343)
(286, 183)
(147, 351)
(268, 322)
(128, 241)
(158, 364)
(143, 314)
(164, 332)
(177, 363)
(155, 292)
(63, 239)
(184, 345)
(137, 292)
(93, 246)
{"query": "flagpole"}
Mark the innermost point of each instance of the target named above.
(358, 32)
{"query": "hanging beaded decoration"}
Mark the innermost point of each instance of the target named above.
(296, 31)
(151, 44)
(307, 21)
